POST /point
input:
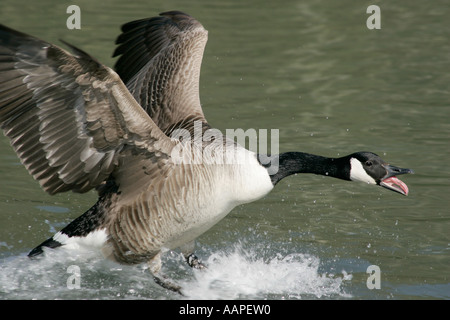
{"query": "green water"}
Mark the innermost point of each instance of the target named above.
(313, 70)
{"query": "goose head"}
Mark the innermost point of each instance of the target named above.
(370, 168)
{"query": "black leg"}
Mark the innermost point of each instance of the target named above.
(159, 278)
(166, 284)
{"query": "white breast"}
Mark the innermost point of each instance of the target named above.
(250, 180)
(239, 179)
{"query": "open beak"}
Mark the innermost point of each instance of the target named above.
(391, 182)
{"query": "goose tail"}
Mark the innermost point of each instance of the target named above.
(87, 230)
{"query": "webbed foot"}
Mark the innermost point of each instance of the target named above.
(193, 261)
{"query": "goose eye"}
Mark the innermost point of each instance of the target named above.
(369, 163)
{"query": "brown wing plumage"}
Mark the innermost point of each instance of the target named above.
(160, 60)
(69, 117)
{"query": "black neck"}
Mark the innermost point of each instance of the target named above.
(298, 162)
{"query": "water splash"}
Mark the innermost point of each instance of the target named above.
(243, 274)
(235, 272)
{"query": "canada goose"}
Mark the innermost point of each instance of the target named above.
(78, 125)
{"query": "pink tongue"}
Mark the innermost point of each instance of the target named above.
(395, 181)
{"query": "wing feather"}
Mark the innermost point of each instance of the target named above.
(69, 117)
(160, 60)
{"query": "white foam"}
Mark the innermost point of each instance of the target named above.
(236, 272)
(243, 275)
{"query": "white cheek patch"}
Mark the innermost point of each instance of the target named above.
(357, 172)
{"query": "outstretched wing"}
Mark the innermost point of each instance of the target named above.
(160, 60)
(69, 117)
